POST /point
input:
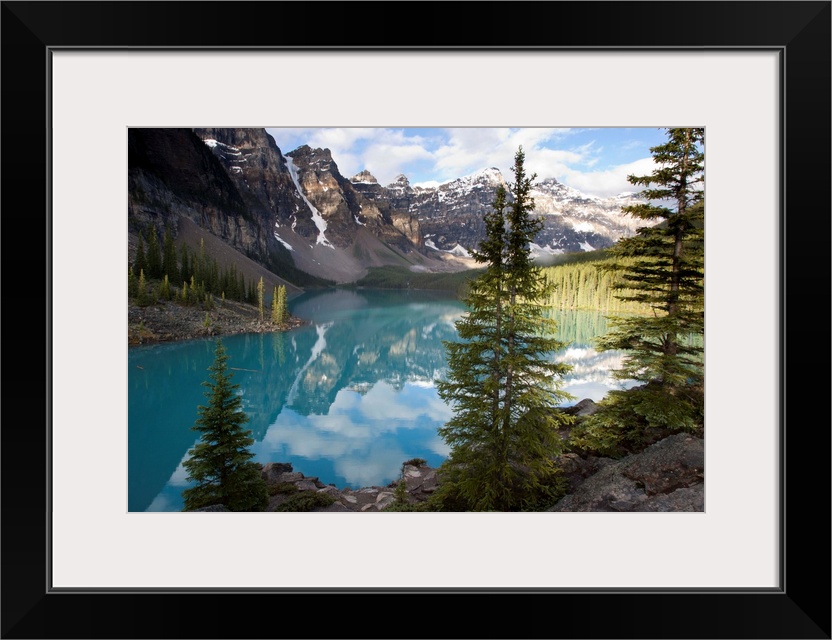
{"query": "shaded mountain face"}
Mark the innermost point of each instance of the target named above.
(295, 211)
(172, 174)
(290, 213)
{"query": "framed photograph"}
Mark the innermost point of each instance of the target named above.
(755, 75)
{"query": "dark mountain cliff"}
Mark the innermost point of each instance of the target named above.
(173, 174)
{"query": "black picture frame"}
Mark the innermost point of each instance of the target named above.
(800, 608)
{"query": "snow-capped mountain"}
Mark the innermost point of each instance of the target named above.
(296, 212)
(450, 215)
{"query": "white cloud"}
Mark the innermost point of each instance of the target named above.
(579, 158)
(609, 182)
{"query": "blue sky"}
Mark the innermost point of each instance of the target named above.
(595, 160)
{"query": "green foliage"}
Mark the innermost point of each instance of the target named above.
(502, 382)
(391, 277)
(170, 265)
(220, 463)
(401, 492)
(662, 268)
(154, 255)
(306, 501)
(280, 310)
(590, 285)
(195, 292)
(260, 292)
(452, 494)
(144, 297)
(165, 292)
(627, 421)
(185, 269)
(283, 488)
(132, 283)
(140, 261)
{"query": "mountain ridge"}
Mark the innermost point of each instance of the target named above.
(295, 212)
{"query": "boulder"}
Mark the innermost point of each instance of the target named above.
(667, 476)
(274, 470)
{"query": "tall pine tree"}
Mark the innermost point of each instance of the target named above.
(261, 289)
(502, 381)
(280, 312)
(220, 464)
(140, 262)
(170, 267)
(662, 266)
(154, 254)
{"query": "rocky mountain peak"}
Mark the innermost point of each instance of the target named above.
(365, 177)
(550, 182)
(492, 173)
(401, 181)
(316, 159)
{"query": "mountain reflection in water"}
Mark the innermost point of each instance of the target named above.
(347, 398)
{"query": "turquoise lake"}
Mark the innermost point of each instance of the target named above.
(346, 398)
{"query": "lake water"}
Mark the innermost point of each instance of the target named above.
(347, 398)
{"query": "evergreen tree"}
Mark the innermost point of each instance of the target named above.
(132, 283)
(275, 316)
(170, 267)
(140, 262)
(280, 312)
(283, 303)
(502, 381)
(220, 464)
(193, 292)
(154, 255)
(186, 271)
(662, 266)
(251, 296)
(260, 292)
(164, 289)
(142, 295)
(200, 267)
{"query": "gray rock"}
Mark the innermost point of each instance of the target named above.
(685, 499)
(384, 500)
(273, 470)
(667, 476)
(585, 407)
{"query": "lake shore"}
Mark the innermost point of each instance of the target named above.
(170, 321)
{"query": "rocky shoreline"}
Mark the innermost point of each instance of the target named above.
(171, 321)
(668, 476)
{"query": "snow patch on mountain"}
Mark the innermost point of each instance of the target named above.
(283, 242)
(537, 250)
(582, 227)
(458, 250)
(317, 218)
